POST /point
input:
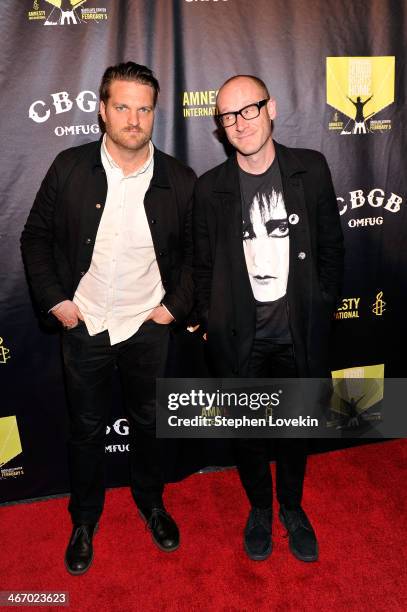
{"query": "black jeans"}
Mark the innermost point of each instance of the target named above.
(269, 360)
(90, 363)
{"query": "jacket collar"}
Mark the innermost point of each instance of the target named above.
(228, 179)
(160, 174)
(96, 160)
(288, 161)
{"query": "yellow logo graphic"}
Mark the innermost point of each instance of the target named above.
(36, 13)
(72, 3)
(378, 307)
(359, 87)
(356, 397)
(4, 352)
(65, 12)
(10, 445)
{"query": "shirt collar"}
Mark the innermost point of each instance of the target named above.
(109, 163)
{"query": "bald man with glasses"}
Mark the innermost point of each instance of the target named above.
(267, 266)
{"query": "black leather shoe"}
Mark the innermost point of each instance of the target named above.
(79, 554)
(257, 534)
(302, 538)
(164, 530)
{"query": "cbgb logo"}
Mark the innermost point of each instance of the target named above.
(40, 110)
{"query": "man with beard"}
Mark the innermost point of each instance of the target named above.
(107, 248)
(268, 266)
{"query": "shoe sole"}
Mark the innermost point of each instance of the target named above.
(299, 556)
(163, 548)
(256, 557)
(80, 572)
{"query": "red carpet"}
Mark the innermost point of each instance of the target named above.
(355, 498)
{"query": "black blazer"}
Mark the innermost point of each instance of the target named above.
(224, 297)
(59, 236)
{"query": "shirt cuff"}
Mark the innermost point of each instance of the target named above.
(170, 313)
(54, 308)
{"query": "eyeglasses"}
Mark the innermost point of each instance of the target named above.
(251, 111)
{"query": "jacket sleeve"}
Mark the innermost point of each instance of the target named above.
(203, 265)
(330, 252)
(180, 300)
(37, 245)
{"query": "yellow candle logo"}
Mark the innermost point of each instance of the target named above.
(378, 307)
(4, 352)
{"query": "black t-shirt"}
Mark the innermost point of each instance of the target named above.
(266, 249)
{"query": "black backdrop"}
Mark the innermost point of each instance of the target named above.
(314, 55)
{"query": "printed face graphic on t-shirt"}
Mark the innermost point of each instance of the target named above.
(266, 246)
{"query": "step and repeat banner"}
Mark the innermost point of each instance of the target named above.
(337, 71)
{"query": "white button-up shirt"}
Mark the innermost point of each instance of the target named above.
(123, 283)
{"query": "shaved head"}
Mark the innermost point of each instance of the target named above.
(234, 80)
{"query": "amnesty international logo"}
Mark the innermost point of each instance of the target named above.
(358, 88)
(348, 308)
(199, 103)
(379, 306)
(10, 446)
(357, 397)
(65, 12)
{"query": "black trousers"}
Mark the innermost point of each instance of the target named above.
(90, 363)
(269, 360)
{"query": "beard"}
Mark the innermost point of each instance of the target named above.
(132, 139)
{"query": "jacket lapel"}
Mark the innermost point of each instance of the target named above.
(300, 268)
(159, 186)
(292, 172)
(227, 189)
(294, 198)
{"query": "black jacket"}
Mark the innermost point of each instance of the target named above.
(59, 236)
(223, 292)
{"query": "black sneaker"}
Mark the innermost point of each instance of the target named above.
(302, 538)
(257, 534)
